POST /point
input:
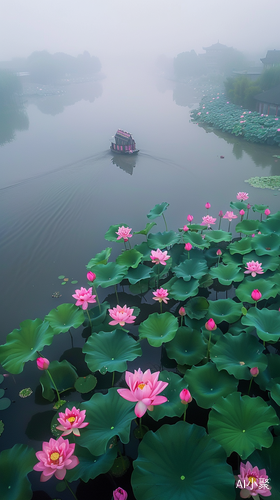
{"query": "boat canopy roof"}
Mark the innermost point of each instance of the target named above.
(124, 136)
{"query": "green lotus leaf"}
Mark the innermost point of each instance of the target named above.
(15, 464)
(196, 240)
(163, 240)
(275, 393)
(224, 310)
(259, 208)
(269, 226)
(111, 234)
(267, 378)
(187, 347)
(181, 289)
(197, 307)
(227, 274)
(142, 272)
(270, 262)
(266, 244)
(110, 351)
(157, 211)
(1, 378)
(100, 258)
(207, 384)
(206, 281)
(90, 466)
(109, 274)
(108, 415)
(1, 429)
(244, 290)
(235, 258)
(242, 246)
(191, 268)
(144, 250)
(164, 470)
(4, 403)
(129, 258)
(247, 227)
(173, 407)
(240, 423)
(266, 322)
(23, 345)
(158, 328)
(97, 315)
(64, 376)
(217, 236)
(147, 229)
(269, 459)
(65, 317)
(85, 384)
(237, 354)
(159, 271)
(139, 287)
(238, 205)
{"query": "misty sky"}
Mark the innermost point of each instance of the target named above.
(112, 28)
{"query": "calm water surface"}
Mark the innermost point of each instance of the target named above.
(61, 189)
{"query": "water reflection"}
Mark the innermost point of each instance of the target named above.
(12, 119)
(125, 162)
(68, 95)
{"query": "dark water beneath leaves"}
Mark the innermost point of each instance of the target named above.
(60, 190)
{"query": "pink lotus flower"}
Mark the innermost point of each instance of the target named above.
(207, 220)
(188, 246)
(210, 325)
(256, 295)
(91, 276)
(159, 257)
(241, 196)
(207, 205)
(185, 228)
(42, 363)
(143, 388)
(254, 268)
(124, 232)
(254, 371)
(119, 494)
(56, 457)
(72, 421)
(252, 481)
(267, 211)
(221, 213)
(229, 215)
(182, 311)
(161, 295)
(189, 218)
(121, 315)
(84, 297)
(242, 212)
(185, 396)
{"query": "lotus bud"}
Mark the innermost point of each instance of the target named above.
(256, 295)
(182, 311)
(190, 218)
(254, 371)
(267, 211)
(119, 494)
(91, 276)
(185, 396)
(42, 363)
(219, 252)
(188, 246)
(207, 205)
(210, 325)
(248, 206)
(221, 214)
(242, 212)
(185, 228)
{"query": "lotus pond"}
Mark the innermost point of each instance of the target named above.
(175, 391)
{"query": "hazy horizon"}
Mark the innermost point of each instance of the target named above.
(143, 29)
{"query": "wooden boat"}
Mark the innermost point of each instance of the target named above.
(124, 143)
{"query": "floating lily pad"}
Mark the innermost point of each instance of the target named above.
(4, 403)
(266, 322)
(271, 182)
(24, 393)
(85, 384)
(197, 307)
(23, 345)
(110, 351)
(158, 328)
(91, 466)
(240, 423)
(140, 273)
(245, 289)
(129, 258)
(238, 354)
(163, 240)
(224, 310)
(100, 258)
(109, 274)
(164, 470)
(65, 317)
(227, 274)
(15, 464)
(247, 227)
(64, 376)
(108, 415)
(181, 289)
(191, 268)
(173, 407)
(61, 277)
(217, 236)
(157, 211)
(207, 384)
(187, 347)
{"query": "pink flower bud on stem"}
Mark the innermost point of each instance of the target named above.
(186, 398)
(254, 372)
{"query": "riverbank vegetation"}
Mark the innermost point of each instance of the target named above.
(206, 303)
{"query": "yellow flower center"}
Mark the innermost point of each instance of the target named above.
(54, 457)
(71, 420)
(141, 386)
(251, 480)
